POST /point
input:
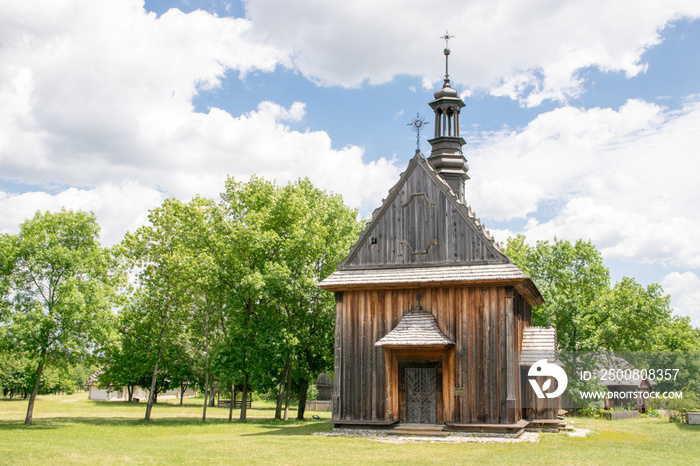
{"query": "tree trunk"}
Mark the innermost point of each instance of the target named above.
(212, 393)
(130, 392)
(280, 393)
(289, 389)
(152, 392)
(206, 383)
(206, 397)
(303, 389)
(183, 387)
(244, 402)
(35, 390)
(233, 399)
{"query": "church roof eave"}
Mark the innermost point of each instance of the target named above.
(452, 275)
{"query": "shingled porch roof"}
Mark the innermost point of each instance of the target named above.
(416, 328)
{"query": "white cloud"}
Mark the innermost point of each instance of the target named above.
(99, 95)
(684, 289)
(530, 51)
(90, 84)
(625, 179)
(119, 208)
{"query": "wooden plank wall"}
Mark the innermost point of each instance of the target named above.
(521, 320)
(458, 240)
(474, 317)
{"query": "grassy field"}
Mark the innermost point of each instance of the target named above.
(74, 430)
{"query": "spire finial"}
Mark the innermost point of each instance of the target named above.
(446, 38)
(417, 125)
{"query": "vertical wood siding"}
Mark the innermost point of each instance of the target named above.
(423, 226)
(474, 317)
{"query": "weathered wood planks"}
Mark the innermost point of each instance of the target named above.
(420, 224)
(476, 378)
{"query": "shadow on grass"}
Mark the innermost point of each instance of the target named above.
(687, 427)
(19, 425)
(282, 429)
(272, 426)
(59, 422)
(189, 403)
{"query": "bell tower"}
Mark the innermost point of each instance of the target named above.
(446, 156)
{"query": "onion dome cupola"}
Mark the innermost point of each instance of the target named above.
(446, 156)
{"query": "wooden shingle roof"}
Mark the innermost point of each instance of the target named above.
(508, 273)
(538, 343)
(448, 274)
(416, 328)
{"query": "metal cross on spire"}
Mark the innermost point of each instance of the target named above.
(417, 125)
(446, 38)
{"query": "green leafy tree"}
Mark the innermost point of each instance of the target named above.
(80, 373)
(677, 334)
(129, 360)
(590, 315)
(177, 286)
(59, 287)
(160, 304)
(17, 373)
(181, 363)
(570, 278)
(283, 240)
(630, 317)
(203, 241)
(57, 379)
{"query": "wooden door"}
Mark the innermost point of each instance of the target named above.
(421, 395)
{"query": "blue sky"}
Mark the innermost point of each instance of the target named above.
(581, 122)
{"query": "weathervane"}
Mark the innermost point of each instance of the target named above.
(446, 38)
(417, 125)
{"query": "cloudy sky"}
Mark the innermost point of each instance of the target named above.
(582, 119)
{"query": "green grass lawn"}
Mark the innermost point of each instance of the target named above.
(73, 429)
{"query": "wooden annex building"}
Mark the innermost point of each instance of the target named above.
(431, 315)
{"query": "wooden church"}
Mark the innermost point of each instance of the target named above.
(431, 316)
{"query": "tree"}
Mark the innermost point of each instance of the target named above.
(630, 317)
(160, 303)
(203, 241)
(283, 240)
(677, 335)
(181, 366)
(61, 286)
(16, 374)
(176, 287)
(129, 361)
(570, 278)
(590, 315)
